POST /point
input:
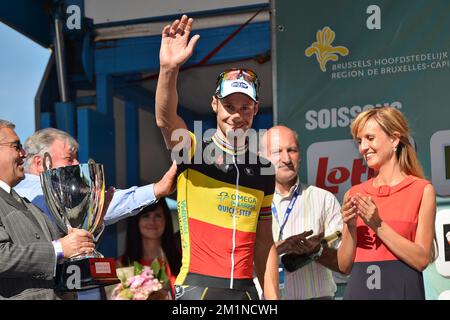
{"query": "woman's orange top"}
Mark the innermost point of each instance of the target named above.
(398, 206)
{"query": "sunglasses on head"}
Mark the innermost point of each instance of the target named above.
(235, 74)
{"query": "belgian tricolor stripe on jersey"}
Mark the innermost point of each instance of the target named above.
(207, 200)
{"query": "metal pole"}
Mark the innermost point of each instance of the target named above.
(273, 31)
(60, 63)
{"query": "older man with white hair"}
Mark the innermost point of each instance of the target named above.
(63, 150)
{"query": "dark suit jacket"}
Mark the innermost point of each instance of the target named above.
(27, 256)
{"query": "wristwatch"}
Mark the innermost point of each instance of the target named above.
(317, 254)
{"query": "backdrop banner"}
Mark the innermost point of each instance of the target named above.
(337, 58)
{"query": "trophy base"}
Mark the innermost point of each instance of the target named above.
(94, 254)
(86, 273)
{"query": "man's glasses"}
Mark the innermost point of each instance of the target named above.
(235, 74)
(13, 144)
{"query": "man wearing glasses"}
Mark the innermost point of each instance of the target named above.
(224, 198)
(29, 244)
(63, 149)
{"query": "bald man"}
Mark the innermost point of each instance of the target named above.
(302, 215)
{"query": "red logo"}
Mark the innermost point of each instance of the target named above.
(332, 178)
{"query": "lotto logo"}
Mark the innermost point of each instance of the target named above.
(440, 161)
(330, 179)
(336, 166)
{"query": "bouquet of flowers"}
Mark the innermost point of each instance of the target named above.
(140, 282)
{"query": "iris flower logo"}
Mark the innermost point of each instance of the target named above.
(323, 49)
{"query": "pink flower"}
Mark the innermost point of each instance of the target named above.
(147, 271)
(135, 282)
(137, 287)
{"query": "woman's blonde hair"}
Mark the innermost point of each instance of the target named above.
(392, 120)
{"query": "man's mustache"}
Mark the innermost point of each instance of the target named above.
(284, 165)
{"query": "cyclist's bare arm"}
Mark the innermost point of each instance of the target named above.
(176, 49)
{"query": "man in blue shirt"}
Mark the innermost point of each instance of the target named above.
(63, 150)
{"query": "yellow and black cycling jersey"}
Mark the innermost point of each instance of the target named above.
(221, 198)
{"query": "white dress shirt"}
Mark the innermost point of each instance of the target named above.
(5, 186)
(318, 210)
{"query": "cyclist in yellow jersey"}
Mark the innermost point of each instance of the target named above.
(224, 188)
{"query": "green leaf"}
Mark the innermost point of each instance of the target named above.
(159, 271)
(137, 268)
(155, 267)
(162, 276)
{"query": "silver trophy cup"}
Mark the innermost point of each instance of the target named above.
(75, 196)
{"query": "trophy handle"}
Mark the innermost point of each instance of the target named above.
(47, 159)
(98, 225)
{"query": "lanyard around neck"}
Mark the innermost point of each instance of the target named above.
(287, 213)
